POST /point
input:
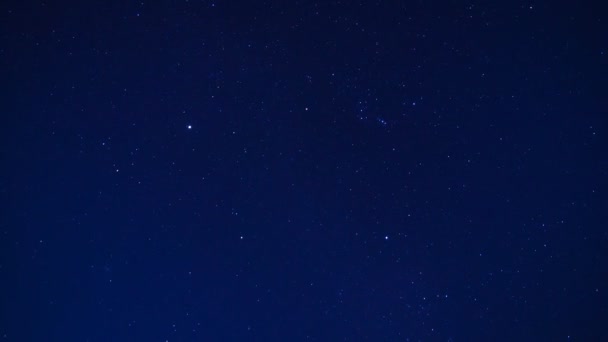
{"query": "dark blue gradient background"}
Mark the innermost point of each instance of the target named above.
(354, 171)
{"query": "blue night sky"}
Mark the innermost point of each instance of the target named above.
(177, 170)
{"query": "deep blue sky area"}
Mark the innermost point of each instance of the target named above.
(303, 171)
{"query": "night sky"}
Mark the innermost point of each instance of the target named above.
(303, 171)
